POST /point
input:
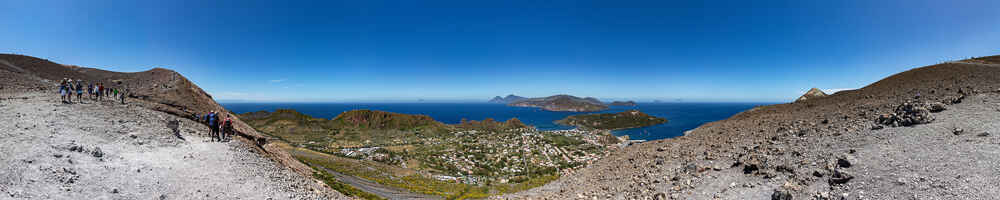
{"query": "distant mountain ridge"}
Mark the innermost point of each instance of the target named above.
(562, 102)
(622, 103)
(508, 99)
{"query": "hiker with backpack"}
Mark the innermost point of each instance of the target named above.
(69, 91)
(213, 124)
(90, 90)
(62, 91)
(99, 90)
(227, 129)
(122, 97)
(79, 91)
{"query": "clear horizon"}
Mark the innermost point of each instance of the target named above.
(458, 51)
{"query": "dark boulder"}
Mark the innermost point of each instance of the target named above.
(840, 177)
(781, 194)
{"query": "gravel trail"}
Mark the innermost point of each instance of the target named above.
(104, 150)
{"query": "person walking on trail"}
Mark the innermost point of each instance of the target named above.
(122, 97)
(79, 91)
(98, 89)
(213, 124)
(227, 128)
(62, 90)
(90, 90)
(69, 91)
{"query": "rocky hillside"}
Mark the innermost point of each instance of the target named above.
(300, 128)
(491, 124)
(157, 89)
(562, 103)
(836, 147)
(381, 120)
(354, 127)
(612, 121)
(811, 94)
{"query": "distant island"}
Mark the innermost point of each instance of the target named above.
(562, 103)
(508, 99)
(622, 103)
(612, 121)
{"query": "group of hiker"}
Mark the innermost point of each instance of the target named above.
(69, 87)
(219, 130)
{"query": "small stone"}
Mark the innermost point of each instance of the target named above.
(844, 161)
(877, 127)
(114, 191)
(660, 196)
(983, 134)
(781, 194)
(901, 181)
(957, 131)
(936, 107)
(97, 152)
(748, 169)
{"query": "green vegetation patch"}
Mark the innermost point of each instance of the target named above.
(612, 121)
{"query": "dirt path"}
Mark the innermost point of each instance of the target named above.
(105, 150)
(377, 189)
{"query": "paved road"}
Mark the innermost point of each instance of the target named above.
(377, 189)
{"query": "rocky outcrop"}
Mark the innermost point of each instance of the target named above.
(911, 113)
(812, 94)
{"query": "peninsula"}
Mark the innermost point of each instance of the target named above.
(612, 121)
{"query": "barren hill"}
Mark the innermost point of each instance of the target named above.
(827, 148)
(811, 94)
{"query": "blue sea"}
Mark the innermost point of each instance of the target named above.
(681, 116)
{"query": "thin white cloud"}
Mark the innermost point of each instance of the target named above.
(230, 95)
(277, 80)
(834, 90)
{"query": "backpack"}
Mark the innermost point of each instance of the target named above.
(213, 120)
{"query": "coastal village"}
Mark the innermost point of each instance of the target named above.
(501, 156)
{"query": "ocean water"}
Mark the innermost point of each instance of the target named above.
(681, 116)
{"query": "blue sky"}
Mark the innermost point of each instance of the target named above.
(473, 50)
